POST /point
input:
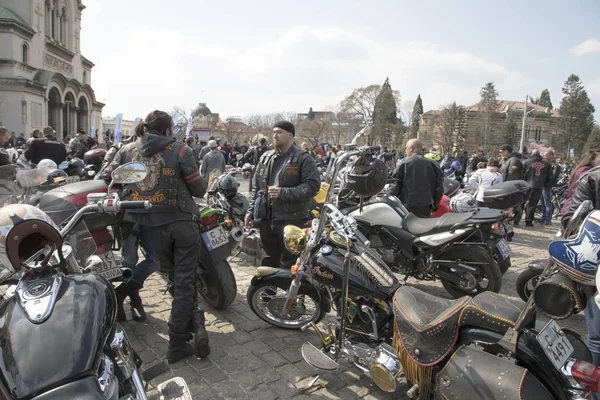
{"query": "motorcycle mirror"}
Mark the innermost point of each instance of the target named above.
(129, 173)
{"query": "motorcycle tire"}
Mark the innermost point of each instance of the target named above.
(491, 271)
(526, 282)
(502, 263)
(264, 289)
(218, 286)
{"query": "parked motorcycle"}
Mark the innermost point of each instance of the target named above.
(217, 283)
(57, 311)
(74, 168)
(93, 162)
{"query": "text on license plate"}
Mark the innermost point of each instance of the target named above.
(504, 248)
(555, 344)
(109, 269)
(215, 238)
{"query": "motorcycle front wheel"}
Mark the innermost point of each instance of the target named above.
(487, 278)
(217, 285)
(267, 298)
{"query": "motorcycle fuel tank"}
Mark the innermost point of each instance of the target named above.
(378, 214)
(63, 348)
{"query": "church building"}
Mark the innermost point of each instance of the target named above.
(44, 78)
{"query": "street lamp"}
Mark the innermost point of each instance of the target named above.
(522, 143)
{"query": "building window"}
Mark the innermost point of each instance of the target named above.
(63, 27)
(25, 53)
(527, 131)
(84, 77)
(538, 133)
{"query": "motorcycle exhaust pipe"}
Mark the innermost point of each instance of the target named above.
(236, 235)
(126, 274)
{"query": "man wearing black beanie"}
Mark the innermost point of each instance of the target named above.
(284, 181)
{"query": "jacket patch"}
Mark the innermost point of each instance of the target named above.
(538, 166)
(158, 197)
(154, 165)
(168, 171)
(169, 146)
(292, 170)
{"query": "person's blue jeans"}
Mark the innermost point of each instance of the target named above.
(547, 206)
(149, 265)
(592, 320)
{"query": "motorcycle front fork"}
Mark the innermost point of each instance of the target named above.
(292, 294)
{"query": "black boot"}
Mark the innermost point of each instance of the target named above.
(122, 293)
(137, 309)
(201, 336)
(179, 348)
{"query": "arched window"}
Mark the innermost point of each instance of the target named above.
(25, 53)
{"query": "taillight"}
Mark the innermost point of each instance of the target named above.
(210, 219)
(587, 375)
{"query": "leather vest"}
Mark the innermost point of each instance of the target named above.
(163, 186)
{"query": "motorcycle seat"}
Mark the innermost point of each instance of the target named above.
(427, 226)
(427, 326)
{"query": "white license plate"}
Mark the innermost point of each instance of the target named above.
(555, 344)
(504, 248)
(110, 268)
(215, 238)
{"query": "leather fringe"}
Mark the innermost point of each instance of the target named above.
(414, 373)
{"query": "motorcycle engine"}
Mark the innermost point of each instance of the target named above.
(369, 317)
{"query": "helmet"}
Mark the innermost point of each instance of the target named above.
(47, 164)
(432, 156)
(57, 177)
(367, 177)
(228, 186)
(24, 230)
(456, 166)
(463, 202)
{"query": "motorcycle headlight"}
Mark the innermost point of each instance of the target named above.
(294, 239)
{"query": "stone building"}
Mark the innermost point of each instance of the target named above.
(541, 126)
(44, 78)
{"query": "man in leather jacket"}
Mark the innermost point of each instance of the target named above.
(48, 147)
(171, 224)
(537, 172)
(284, 181)
(419, 181)
(588, 188)
(512, 166)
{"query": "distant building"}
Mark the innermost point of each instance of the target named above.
(44, 78)
(541, 126)
(108, 125)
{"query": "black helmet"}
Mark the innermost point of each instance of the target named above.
(57, 177)
(228, 186)
(367, 177)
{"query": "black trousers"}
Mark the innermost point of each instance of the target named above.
(177, 247)
(271, 238)
(420, 211)
(536, 195)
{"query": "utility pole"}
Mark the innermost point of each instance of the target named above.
(522, 143)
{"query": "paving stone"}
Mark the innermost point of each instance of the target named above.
(263, 392)
(189, 373)
(242, 337)
(268, 375)
(273, 359)
(229, 364)
(202, 391)
(246, 379)
(293, 355)
(251, 362)
(238, 351)
(284, 389)
(230, 390)
(257, 347)
(290, 372)
(213, 375)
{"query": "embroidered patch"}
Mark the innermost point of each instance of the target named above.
(169, 146)
(158, 197)
(168, 171)
(292, 170)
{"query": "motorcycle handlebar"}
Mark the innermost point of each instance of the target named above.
(135, 205)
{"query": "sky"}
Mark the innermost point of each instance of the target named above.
(262, 56)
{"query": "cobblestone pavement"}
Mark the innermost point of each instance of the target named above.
(251, 359)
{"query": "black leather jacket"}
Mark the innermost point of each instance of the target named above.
(537, 171)
(420, 182)
(512, 168)
(40, 149)
(173, 178)
(588, 188)
(298, 179)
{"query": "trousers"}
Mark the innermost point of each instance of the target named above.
(150, 264)
(271, 238)
(536, 194)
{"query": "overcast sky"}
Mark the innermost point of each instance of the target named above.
(246, 57)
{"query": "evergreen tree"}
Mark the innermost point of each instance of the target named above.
(510, 128)
(576, 115)
(593, 142)
(385, 113)
(311, 114)
(416, 117)
(488, 106)
(544, 99)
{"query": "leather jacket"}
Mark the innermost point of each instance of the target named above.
(298, 179)
(172, 180)
(39, 149)
(587, 188)
(420, 182)
(512, 168)
(537, 171)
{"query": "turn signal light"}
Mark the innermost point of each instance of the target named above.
(228, 223)
(295, 268)
(495, 227)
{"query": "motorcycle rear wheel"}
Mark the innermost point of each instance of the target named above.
(266, 299)
(488, 279)
(217, 285)
(526, 282)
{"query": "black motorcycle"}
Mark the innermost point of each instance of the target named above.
(485, 347)
(58, 332)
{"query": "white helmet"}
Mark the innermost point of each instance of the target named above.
(463, 202)
(46, 163)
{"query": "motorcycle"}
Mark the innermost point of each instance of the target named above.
(57, 309)
(216, 280)
(93, 162)
(74, 168)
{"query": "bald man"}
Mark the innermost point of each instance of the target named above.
(420, 181)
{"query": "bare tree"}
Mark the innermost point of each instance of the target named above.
(315, 131)
(450, 128)
(234, 129)
(183, 116)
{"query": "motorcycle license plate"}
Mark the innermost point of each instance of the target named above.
(555, 344)
(504, 248)
(215, 238)
(110, 269)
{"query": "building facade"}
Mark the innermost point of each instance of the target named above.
(44, 78)
(541, 126)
